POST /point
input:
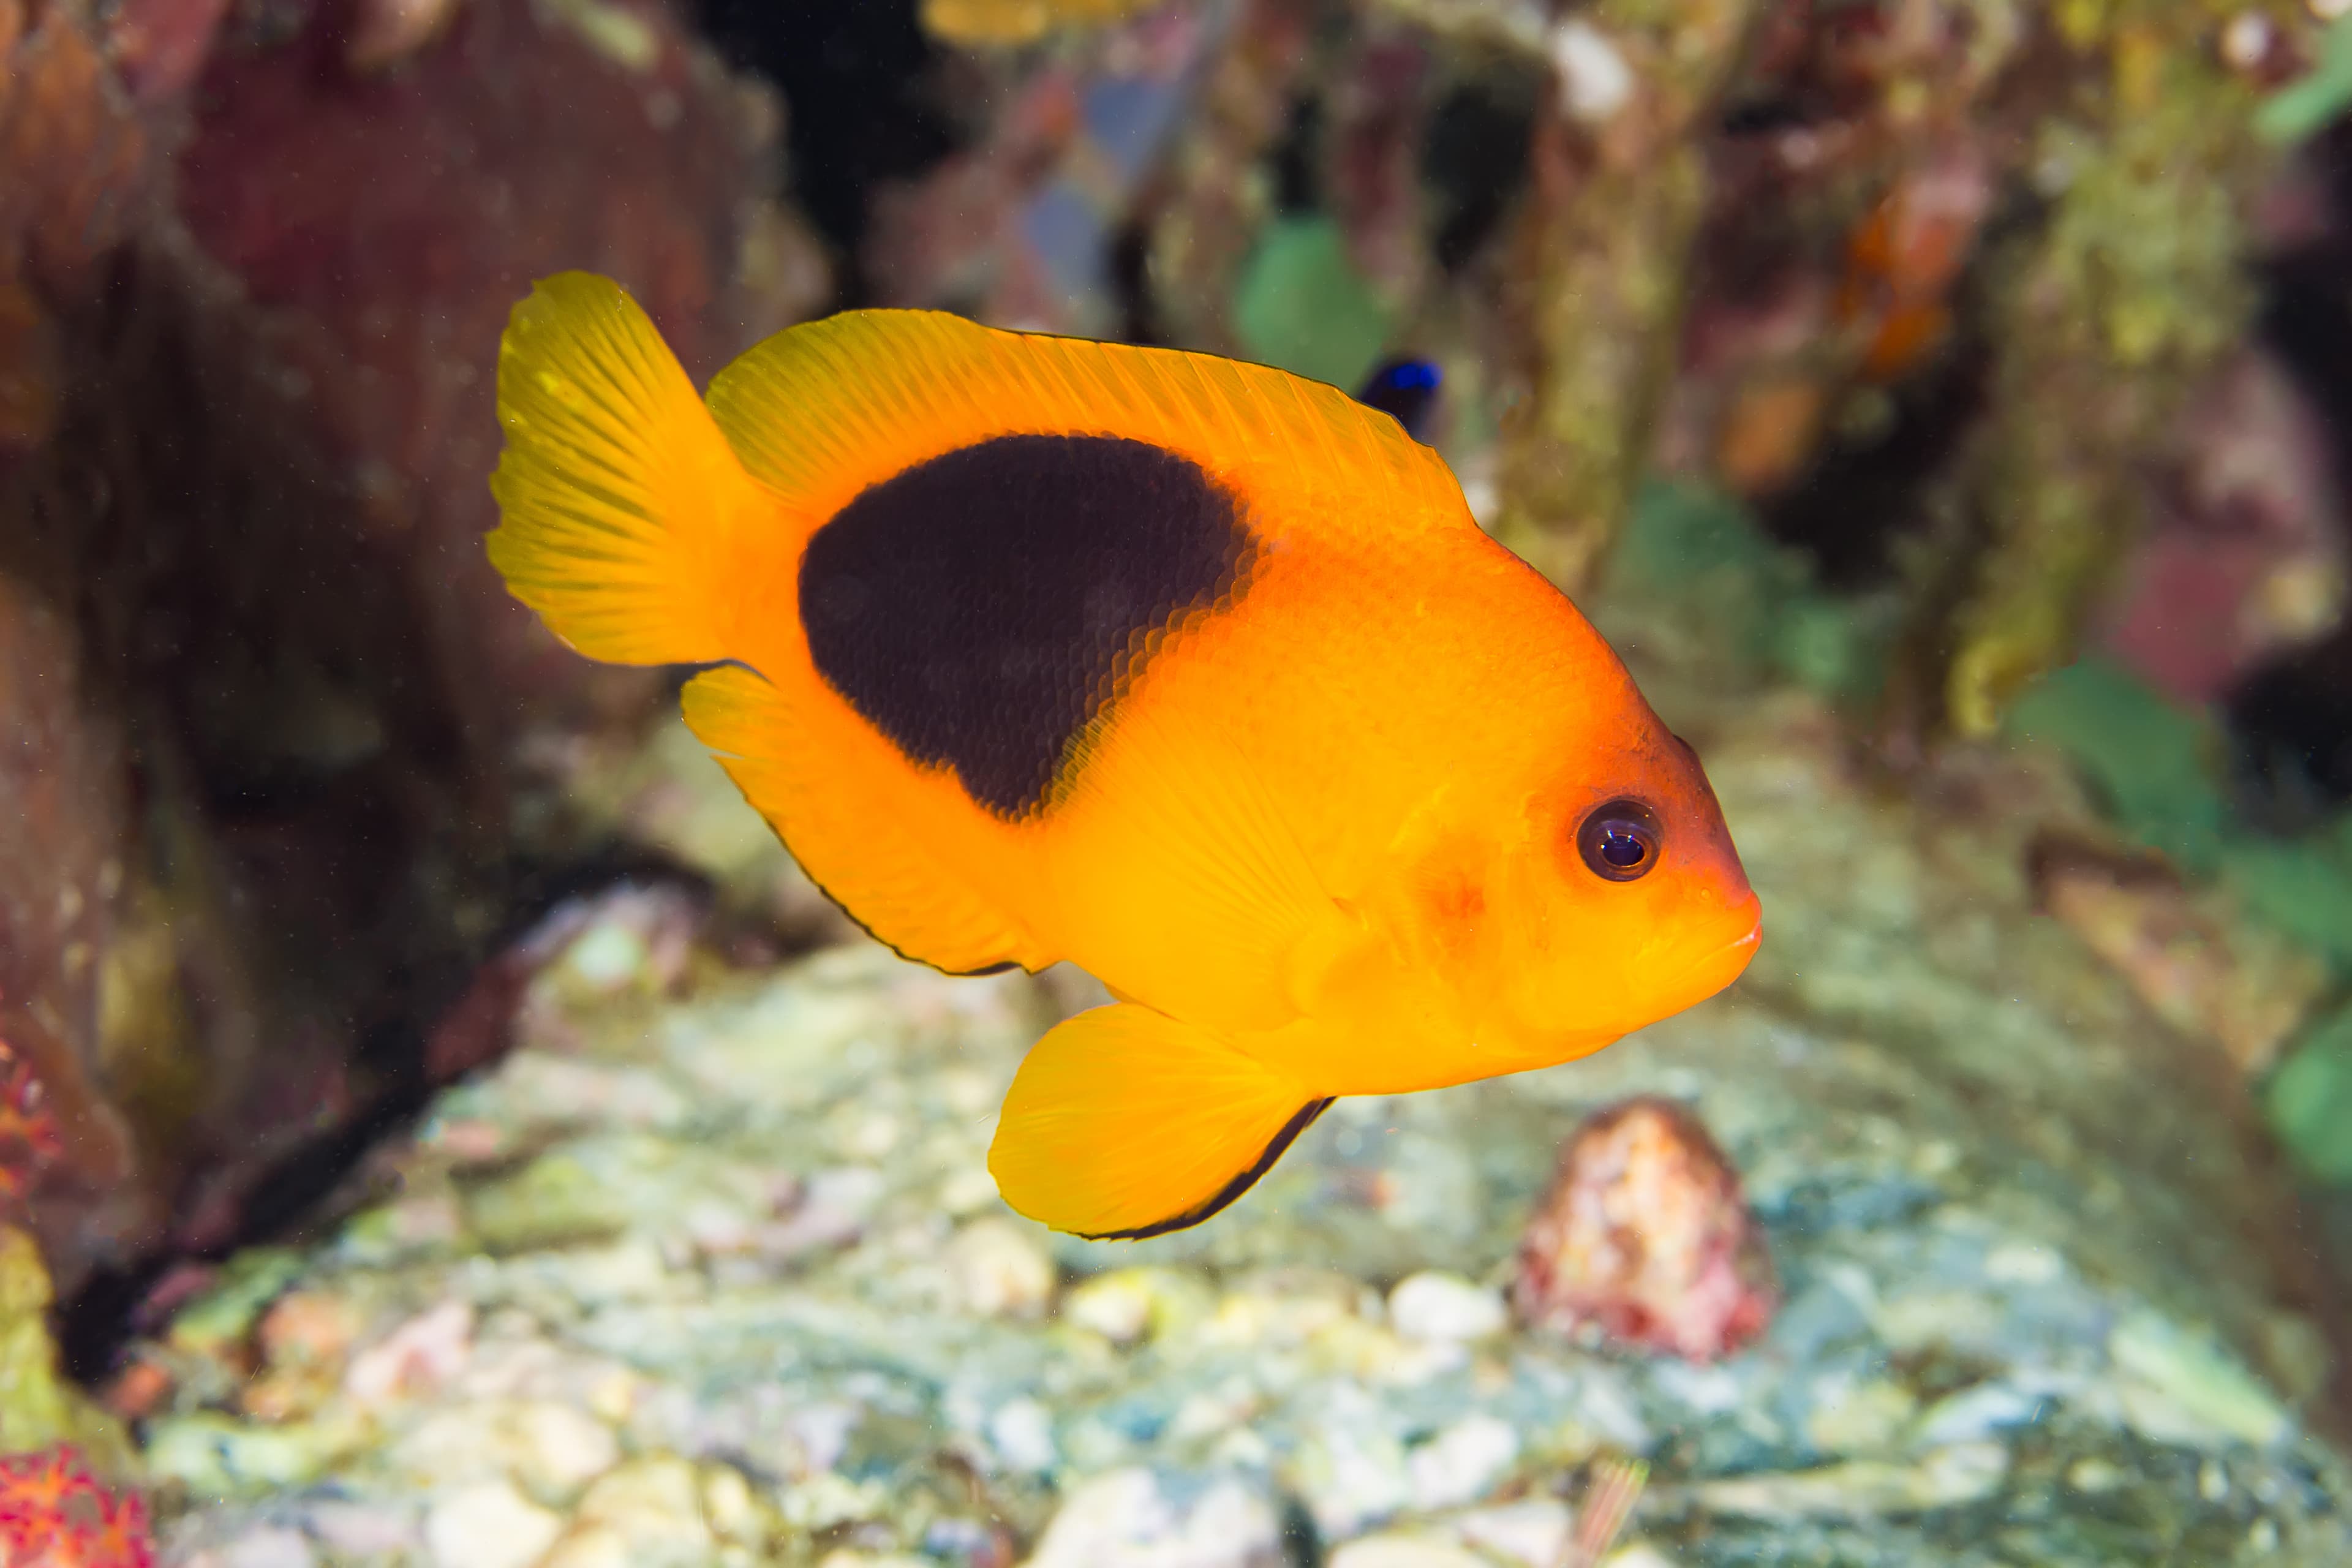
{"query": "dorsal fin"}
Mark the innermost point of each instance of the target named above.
(821, 411)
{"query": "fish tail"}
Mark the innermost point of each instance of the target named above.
(628, 521)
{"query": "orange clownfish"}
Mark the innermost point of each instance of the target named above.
(1194, 673)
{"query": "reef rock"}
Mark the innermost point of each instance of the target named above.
(2034, 1280)
(287, 759)
(1645, 1237)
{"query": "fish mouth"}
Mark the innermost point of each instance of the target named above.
(1693, 981)
(1718, 967)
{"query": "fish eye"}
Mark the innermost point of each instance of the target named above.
(1619, 840)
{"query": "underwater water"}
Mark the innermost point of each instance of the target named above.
(893, 945)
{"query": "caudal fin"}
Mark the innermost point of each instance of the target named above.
(629, 523)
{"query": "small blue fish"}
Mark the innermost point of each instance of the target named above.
(1406, 390)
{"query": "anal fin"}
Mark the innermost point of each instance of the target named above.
(1124, 1123)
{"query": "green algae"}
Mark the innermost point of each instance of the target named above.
(37, 1406)
(1698, 543)
(1301, 305)
(2303, 108)
(2102, 315)
(558, 1199)
(2309, 1101)
(2302, 886)
(2157, 767)
(1606, 254)
(2204, 1382)
(1697, 549)
(212, 1455)
(227, 1313)
(2151, 763)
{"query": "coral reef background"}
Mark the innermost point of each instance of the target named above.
(415, 1062)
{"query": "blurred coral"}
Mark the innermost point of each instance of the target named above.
(2309, 1100)
(278, 776)
(1002, 22)
(386, 224)
(77, 153)
(2191, 957)
(626, 939)
(1380, 122)
(1618, 194)
(40, 1407)
(1203, 213)
(65, 900)
(159, 46)
(1903, 262)
(383, 33)
(1017, 230)
(1954, 291)
(2244, 553)
(2105, 316)
(29, 1138)
(1643, 1237)
(55, 1513)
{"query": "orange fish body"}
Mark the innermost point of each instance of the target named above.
(1192, 673)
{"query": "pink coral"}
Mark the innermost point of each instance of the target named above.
(2244, 550)
(29, 1138)
(55, 1513)
(1645, 1237)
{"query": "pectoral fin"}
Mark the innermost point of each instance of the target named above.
(1123, 1122)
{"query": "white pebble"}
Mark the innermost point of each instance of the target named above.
(1439, 1308)
(271, 1546)
(544, 1446)
(728, 1505)
(2246, 41)
(1022, 1431)
(968, 1190)
(1462, 1462)
(1351, 1472)
(1395, 1551)
(363, 1529)
(1123, 1519)
(589, 1546)
(1000, 1270)
(566, 1446)
(2022, 1263)
(423, 1353)
(488, 1525)
(654, 1503)
(1533, 1530)
(1595, 82)
(1116, 1306)
(1637, 1554)
(851, 1190)
(607, 956)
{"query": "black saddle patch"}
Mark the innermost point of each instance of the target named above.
(980, 608)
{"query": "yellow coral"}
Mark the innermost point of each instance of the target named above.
(1002, 22)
